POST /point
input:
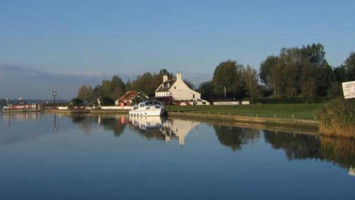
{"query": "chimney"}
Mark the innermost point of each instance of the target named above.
(165, 78)
(178, 76)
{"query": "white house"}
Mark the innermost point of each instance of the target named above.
(177, 89)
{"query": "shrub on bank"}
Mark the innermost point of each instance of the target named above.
(337, 118)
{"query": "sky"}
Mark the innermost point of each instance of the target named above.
(96, 39)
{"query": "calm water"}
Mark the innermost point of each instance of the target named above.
(58, 157)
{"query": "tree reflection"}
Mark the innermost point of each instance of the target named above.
(84, 121)
(108, 123)
(337, 150)
(297, 146)
(235, 137)
(340, 151)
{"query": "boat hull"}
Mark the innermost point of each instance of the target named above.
(151, 112)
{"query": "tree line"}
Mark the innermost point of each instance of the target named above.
(110, 90)
(294, 73)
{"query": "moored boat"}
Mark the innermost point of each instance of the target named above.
(21, 108)
(148, 108)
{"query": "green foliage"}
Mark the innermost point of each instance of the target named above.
(338, 118)
(149, 82)
(250, 79)
(265, 69)
(350, 67)
(298, 72)
(228, 75)
(77, 102)
(85, 92)
(107, 101)
(113, 88)
(139, 97)
(3, 102)
(205, 89)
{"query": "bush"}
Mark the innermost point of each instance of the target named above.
(77, 102)
(337, 118)
(107, 101)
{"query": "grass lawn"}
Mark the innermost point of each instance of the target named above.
(299, 111)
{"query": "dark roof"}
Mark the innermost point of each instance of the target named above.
(128, 95)
(166, 86)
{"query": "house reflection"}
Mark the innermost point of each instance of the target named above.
(162, 128)
(352, 171)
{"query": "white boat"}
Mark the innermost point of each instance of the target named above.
(148, 108)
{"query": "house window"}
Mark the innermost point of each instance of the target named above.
(174, 87)
(193, 96)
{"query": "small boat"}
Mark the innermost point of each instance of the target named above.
(148, 108)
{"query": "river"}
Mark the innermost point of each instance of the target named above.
(51, 156)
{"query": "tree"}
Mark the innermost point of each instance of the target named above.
(77, 102)
(228, 76)
(298, 72)
(350, 67)
(3, 102)
(250, 78)
(147, 83)
(85, 92)
(107, 101)
(205, 89)
(266, 69)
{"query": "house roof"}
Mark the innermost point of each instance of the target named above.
(128, 95)
(166, 86)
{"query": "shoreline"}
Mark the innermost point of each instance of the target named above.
(281, 124)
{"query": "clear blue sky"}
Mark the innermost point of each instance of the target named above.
(84, 36)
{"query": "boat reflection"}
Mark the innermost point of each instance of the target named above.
(163, 128)
(25, 116)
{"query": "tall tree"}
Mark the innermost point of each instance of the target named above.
(250, 78)
(205, 89)
(85, 93)
(266, 69)
(228, 77)
(350, 67)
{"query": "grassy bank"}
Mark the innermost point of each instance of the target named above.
(296, 111)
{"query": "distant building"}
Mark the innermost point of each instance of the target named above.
(127, 98)
(177, 89)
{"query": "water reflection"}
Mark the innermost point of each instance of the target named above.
(339, 151)
(235, 137)
(163, 128)
(296, 146)
(10, 117)
(114, 123)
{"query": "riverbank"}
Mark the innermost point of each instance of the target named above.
(265, 121)
(286, 111)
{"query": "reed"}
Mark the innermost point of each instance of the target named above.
(337, 118)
